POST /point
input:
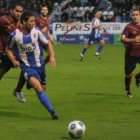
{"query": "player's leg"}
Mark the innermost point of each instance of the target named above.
(84, 51)
(47, 58)
(130, 65)
(102, 43)
(137, 79)
(87, 46)
(5, 65)
(2, 72)
(17, 91)
(42, 96)
(137, 76)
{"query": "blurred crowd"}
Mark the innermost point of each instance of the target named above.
(78, 10)
(112, 10)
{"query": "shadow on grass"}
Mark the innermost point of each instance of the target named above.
(10, 114)
(100, 94)
(94, 94)
(67, 138)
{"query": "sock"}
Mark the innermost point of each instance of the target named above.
(100, 48)
(21, 82)
(84, 51)
(127, 83)
(45, 101)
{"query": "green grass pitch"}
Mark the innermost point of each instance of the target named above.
(91, 91)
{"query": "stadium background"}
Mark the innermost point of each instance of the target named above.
(91, 91)
(115, 13)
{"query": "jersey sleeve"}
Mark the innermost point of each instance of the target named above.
(42, 38)
(125, 31)
(12, 43)
(2, 20)
(12, 40)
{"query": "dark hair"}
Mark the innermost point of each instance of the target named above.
(43, 6)
(25, 16)
(17, 4)
(135, 9)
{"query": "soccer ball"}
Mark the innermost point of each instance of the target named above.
(76, 129)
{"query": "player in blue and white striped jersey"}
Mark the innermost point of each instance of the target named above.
(95, 36)
(29, 56)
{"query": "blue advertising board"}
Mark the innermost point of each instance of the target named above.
(81, 39)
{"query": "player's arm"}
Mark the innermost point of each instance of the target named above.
(131, 40)
(51, 54)
(10, 54)
(3, 20)
(49, 49)
(95, 25)
(46, 30)
(72, 25)
(125, 35)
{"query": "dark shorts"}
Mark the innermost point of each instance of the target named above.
(93, 39)
(130, 63)
(5, 62)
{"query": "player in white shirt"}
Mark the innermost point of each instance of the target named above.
(95, 36)
(29, 56)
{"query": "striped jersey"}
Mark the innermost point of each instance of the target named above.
(96, 21)
(26, 47)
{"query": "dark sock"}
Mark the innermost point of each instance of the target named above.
(84, 51)
(21, 82)
(127, 83)
(100, 48)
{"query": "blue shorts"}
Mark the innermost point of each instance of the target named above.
(37, 72)
(94, 39)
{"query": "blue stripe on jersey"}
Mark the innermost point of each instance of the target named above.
(32, 60)
(12, 34)
(17, 53)
(27, 39)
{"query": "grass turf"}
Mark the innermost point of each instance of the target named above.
(91, 91)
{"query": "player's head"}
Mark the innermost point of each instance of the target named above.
(97, 14)
(28, 20)
(135, 13)
(44, 10)
(17, 10)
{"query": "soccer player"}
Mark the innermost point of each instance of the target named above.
(29, 56)
(43, 22)
(7, 25)
(130, 38)
(95, 36)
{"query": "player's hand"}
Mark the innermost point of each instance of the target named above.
(52, 61)
(44, 29)
(53, 41)
(104, 32)
(137, 39)
(16, 64)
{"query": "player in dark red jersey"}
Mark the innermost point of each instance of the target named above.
(7, 25)
(43, 23)
(131, 39)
